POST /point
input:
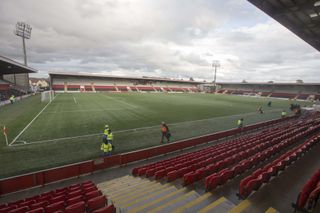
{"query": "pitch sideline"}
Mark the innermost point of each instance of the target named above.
(29, 124)
(134, 129)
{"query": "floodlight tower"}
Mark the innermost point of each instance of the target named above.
(215, 65)
(24, 31)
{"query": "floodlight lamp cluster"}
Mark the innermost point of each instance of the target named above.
(23, 30)
(315, 14)
(216, 63)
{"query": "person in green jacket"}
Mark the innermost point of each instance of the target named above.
(240, 123)
(12, 99)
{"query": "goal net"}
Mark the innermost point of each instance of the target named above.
(47, 96)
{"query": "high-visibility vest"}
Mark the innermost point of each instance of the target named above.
(110, 136)
(106, 131)
(106, 147)
(12, 98)
(284, 113)
(239, 122)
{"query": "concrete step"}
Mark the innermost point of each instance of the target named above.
(121, 184)
(153, 203)
(271, 210)
(219, 206)
(141, 199)
(179, 201)
(139, 193)
(127, 187)
(110, 182)
(241, 207)
(196, 204)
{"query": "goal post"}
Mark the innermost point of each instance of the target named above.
(47, 96)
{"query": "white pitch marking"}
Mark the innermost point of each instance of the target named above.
(85, 110)
(123, 102)
(29, 124)
(136, 129)
(75, 101)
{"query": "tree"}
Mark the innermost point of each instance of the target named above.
(191, 79)
(270, 82)
(244, 81)
(299, 81)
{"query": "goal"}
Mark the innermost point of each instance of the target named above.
(47, 96)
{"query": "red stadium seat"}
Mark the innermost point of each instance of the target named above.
(173, 175)
(106, 209)
(90, 189)
(76, 208)
(189, 178)
(7, 209)
(96, 203)
(88, 182)
(75, 193)
(160, 174)
(93, 194)
(75, 200)
(37, 210)
(22, 209)
(225, 174)
(57, 199)
(150, 172)
(213, 181)
(55, 207)
(39, 204)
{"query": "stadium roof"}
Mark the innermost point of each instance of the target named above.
(302, 17)
(122, 77)
(8, 66)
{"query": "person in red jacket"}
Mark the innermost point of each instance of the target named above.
(165, 132)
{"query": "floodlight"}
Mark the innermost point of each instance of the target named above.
(23, 30)
(215, 64)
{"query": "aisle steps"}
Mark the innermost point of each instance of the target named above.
(135, 194)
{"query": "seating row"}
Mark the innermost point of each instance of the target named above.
(243, 152)
(124, 88)
(197, 165)
(309, 195)
(84, 197)
(192, 157)
(263, 175)
(256, 155)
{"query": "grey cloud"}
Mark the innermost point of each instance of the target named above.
(174, 38)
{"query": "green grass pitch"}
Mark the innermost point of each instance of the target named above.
(68, 129)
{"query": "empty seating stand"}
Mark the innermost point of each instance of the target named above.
(224, 161)
(309, 195)
(283, 95)
(76, 198)
(263, 175)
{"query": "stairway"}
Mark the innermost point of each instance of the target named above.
(135, 194)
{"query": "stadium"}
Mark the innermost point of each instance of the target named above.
(226, 146)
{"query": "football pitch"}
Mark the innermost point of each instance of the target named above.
(68, 129)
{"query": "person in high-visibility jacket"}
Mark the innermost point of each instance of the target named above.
(240, 123)
(106, 128)
(283, 114)
(110, 136)
(12, 98)
(106, 147)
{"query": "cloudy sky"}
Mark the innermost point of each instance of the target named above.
(162, 38)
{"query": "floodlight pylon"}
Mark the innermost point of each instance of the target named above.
(23, 30)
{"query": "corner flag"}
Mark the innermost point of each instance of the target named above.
(5, 133)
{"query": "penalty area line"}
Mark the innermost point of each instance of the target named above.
(29, 124)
